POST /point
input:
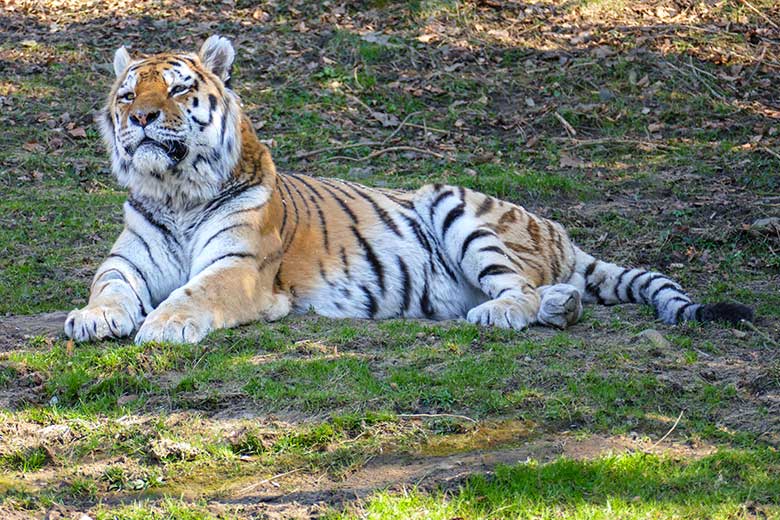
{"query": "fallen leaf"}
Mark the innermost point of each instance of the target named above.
(603, 52)
(31, 146)
(261, 15)
(427, 38)
(69, 347)
(376, 37)
(78, 132)
(532, 141)
(570, 161)
(386, 119)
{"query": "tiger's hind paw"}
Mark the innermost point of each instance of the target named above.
(561, 305)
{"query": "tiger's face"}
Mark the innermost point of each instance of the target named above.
(172, 123)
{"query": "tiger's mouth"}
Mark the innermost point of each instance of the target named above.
(175, 150)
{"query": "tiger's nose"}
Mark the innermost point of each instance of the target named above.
(141, 118)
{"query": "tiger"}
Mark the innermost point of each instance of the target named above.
(214, 237)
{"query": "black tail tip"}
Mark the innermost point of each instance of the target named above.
(731, 313)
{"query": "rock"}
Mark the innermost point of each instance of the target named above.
(168, 450)
(56, 433)
(655, 338)
(125, 399)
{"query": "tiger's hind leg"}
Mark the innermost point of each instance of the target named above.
(481, 255)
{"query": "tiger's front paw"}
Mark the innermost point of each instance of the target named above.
(99, 322)
(174, 325)
(504, 313)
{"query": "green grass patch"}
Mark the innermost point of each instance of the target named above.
(728, 484)
(25, 461)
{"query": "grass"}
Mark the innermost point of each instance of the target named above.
(671, 162)
(620, 486)
(25, 461)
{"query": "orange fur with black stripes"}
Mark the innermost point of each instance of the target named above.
(215, 237)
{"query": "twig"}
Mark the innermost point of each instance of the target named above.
(266, 481)
(355, 77)
(398, 128)
(761, 14)
(434, 415)
(383, 151)
(358, 101)
(771, 152)
(659, 441)
(429, 128)
(302, 155)
(609, 140)
(759, 61)
(761, 333)
(566, 125)
(697, 79)
(528, 29)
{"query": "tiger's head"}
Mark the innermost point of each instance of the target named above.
(172, 123)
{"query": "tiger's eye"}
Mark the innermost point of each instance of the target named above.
(178, 89)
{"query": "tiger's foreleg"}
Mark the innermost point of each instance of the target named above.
(232, 285)
(142, 268)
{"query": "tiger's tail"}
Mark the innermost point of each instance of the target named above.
(609, 284)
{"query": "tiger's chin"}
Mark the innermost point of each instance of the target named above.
(155, 158)
(153, 174)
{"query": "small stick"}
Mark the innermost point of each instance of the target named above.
(771, 152)
(303, 155)
(609, 140)
(759, 61)
(359, 101)
(566, 125)
(383, 151)
(434, 415)
(761, 14)
(659, 441)
(428, 128)
(398, 129)
(758, 331)
(266, 481)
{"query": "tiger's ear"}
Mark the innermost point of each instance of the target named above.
(217, 54)
(121, 60)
